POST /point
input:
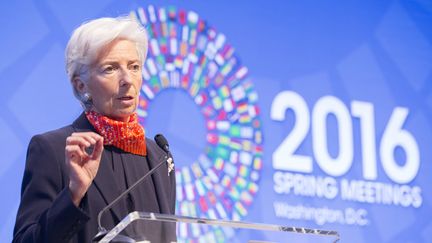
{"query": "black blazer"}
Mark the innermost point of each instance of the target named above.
(47, 213)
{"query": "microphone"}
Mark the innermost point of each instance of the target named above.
(163, 144)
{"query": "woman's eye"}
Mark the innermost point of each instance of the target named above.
(108, 69)
(136, 67)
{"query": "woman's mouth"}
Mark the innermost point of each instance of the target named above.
(127, 100)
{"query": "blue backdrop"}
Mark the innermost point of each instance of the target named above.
(303, 113)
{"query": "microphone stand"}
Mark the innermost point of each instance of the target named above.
(102, 231)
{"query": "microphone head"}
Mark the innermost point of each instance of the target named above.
(162, 142)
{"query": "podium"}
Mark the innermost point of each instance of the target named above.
(144, 227)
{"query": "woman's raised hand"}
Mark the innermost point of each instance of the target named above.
(83, 166)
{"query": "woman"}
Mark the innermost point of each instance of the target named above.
(75, 171)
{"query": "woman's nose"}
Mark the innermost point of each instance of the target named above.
(125, 77)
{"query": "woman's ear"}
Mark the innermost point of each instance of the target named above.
(79, 85)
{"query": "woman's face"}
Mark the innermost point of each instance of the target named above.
(115, 80)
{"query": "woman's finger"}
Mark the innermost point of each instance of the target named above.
(98, 149)
(77, 151)
(78, 141)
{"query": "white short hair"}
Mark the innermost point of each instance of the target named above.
(88, 40)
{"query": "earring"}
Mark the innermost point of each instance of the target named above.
(87, 98)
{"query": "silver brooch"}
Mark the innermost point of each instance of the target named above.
(170, 165)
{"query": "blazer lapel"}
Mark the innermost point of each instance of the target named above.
(155, 155)
(105, 183)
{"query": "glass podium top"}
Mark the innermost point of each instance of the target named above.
(153, 227)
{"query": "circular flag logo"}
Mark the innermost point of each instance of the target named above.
(188, 54)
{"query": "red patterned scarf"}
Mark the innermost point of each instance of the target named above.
(127, 136)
